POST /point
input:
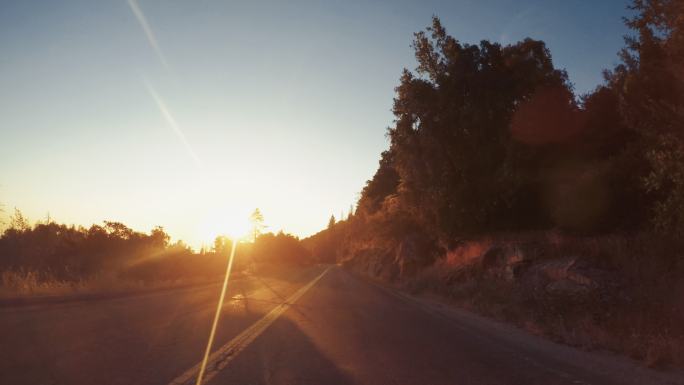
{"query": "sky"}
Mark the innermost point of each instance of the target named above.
(191, 114)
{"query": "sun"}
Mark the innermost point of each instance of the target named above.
(227, 223)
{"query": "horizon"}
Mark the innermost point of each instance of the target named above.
(129, 113)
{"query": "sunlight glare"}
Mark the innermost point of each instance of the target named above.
(231, 223)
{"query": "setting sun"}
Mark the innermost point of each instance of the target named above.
(233, 223)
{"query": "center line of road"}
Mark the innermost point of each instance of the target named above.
(222, 356)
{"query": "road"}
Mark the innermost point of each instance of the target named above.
(322, 325)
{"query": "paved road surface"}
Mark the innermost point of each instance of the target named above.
(318, 326)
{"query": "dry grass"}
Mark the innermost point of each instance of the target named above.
(26, 284)
(466, 254)
(646, 324)
(18, 283)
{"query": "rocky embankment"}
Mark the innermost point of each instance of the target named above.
(592, 293)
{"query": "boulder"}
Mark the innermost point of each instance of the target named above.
(503, 262)
(571, 277)
(414, 252)
(567, 288)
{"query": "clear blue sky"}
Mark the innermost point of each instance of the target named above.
(189, 114)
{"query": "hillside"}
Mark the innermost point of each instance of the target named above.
(507, 193)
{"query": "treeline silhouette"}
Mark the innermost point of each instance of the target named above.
(48, 253)
(491, 138)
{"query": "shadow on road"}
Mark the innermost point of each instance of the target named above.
(282, 355)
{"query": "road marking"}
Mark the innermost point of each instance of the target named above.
(219, 359)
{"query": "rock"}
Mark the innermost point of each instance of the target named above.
(567, 288)
(414, 253)
(376, 263)
(571, 277)
(557, 269)
(503, 262)
(515, 261)
(493, 258)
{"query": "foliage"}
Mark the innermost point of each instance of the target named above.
(456, 156)
(49, 256)
(383, 185)
(52, 258)
(257, 220)
(72, 253)
(650, 88)
(280, 249)
(491, 138)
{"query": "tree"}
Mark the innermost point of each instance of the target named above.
(159, 237)
(331, 222)
(280, 249)
(2, 211)
(649, 84)
(222, 245)
(459, 167)
(118, 230)
(19, 222)
(383, 184)
(257, 220)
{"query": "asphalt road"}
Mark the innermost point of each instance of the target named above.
(317, 326)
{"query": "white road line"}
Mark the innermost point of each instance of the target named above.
(221, 357)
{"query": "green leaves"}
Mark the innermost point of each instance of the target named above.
(451, 141)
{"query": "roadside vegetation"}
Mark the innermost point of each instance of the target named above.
(48, 258)
(508, 193)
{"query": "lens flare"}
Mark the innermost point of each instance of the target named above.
(218, 314)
